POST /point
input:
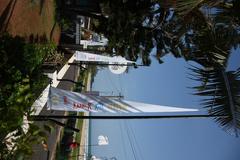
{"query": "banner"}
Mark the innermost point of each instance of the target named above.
(116, 69)
(72, 101)
(90, 57)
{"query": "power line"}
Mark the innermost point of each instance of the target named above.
(123, 139)
(131, 143)
(120, 83)
(136, 142)
(113, 85)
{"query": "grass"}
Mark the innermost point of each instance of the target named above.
(83, 77)
(79, 125)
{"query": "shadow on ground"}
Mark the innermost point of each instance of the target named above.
(6, 15)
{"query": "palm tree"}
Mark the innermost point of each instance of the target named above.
(210, 46)
(222, 91)
(197, 36)
(185, 7)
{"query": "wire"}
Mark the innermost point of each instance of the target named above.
(113, 85)
(136, 142)
(131, 143)
(123, 139)
(119, 82)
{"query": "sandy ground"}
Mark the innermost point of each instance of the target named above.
(31, 19)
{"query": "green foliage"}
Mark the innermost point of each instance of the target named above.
(64, 23)
(52, 54)
(23, 144)
(124, 29)
(222, 92)
(184, 7)
(207, 39)
(182, 28)
(21, 82)
(60, 17)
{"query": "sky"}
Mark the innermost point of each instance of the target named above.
(161, 139)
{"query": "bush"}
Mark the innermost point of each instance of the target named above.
(21, 81)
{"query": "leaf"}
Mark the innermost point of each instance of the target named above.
(48, 128)
(20, 156)
(42, 135)
(221, 95)
(36, 132)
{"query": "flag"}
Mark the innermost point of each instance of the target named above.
(102, 140)
(116, 69)
(73, 101)
(90, 57)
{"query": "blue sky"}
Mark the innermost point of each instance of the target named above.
(179, 139)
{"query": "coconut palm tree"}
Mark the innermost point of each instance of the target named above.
(195, 34)
(222, 91)
(208, 42)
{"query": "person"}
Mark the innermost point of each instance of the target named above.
(73, 145)
(44, 145)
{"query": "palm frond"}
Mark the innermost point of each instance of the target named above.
(183, 7)
(222, 94)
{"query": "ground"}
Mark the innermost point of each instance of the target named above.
(32, 19)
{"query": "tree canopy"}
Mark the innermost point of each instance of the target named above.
(181, 28)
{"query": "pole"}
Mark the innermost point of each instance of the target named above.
(58, 123)
(106, 64)
(120, 96)
(46, 117)
(62, 124)
(69, 80)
